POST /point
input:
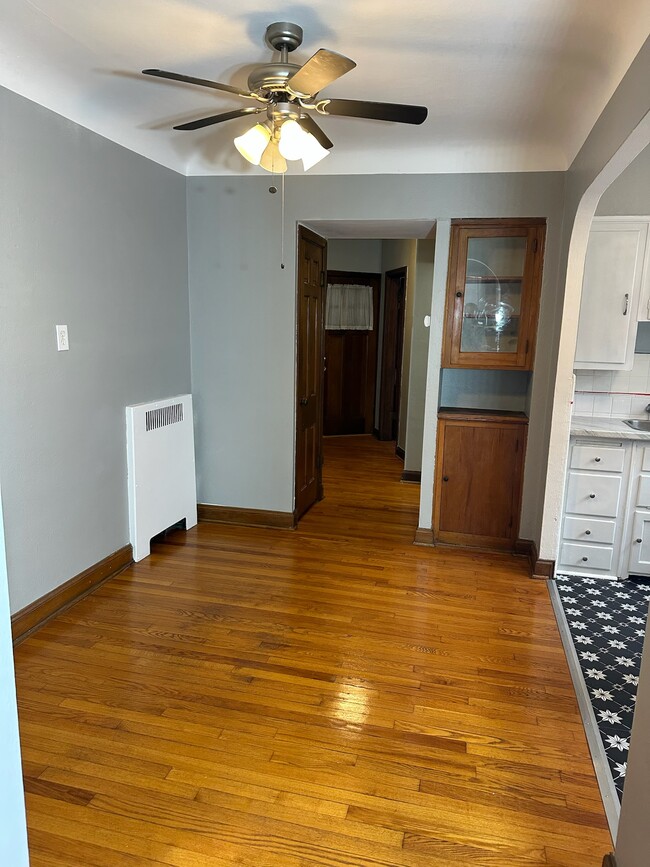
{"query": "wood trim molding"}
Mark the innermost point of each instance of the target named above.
(33, 616)
(424, 536)
(399, 451)
(541, 570)
(412, 476)
(544, 570)
(246, 517)
(609, 860)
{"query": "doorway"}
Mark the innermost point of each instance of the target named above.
(351, 359)
(392, 355)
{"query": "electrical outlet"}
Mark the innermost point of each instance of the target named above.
(62, 338)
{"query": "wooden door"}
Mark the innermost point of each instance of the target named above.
(312, 252)
(392, 351)
(351, 367)
(478, 482)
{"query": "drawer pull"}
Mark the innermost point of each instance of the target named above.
(445, 478)
(592, 496)
(587, 532)
(584, 559)
(597, 460)
(638, 541)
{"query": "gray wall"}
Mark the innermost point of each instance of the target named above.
(243, 311)
(630, 192)
(93, 236)
(358, 254)
(419, 340)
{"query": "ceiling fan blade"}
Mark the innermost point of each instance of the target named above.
(202, 82)
(320, 70)
(308, 123)
(218, 118)
(390, 111)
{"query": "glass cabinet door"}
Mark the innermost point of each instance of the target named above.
(492, 298)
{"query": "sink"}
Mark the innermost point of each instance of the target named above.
(638, 424)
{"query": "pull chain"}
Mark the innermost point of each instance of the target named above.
(282, 228)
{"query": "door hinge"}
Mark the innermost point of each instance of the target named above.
(510, 524)
(535, 245)
(527, 347)
(319, 461)
(322, 279)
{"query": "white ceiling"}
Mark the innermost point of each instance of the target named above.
(511, 85)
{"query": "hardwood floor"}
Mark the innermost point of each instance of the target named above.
(327, 696)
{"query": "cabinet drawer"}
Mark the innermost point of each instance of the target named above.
(593, 494)
(589, 530)
(601, 458)
(586, 557)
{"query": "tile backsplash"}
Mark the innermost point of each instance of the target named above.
(614, 393)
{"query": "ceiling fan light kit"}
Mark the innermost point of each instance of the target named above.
(290, 95)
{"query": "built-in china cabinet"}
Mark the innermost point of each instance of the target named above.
(492, 306)
(493, 293)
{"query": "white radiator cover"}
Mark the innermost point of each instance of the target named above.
(161, 473)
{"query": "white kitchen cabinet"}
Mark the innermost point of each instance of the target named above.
(615, 293)
(639, 561)
(594, 507)
(606, 520)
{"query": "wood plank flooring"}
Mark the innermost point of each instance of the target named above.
(327, 696)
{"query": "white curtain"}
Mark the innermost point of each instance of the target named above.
(348, 307)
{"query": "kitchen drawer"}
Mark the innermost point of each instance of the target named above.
(593, 494)
(589, 530)
(602, 458)
(586, 557)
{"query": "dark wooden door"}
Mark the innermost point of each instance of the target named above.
(312, 251)
(351, 367)
(392, 351)
(478, 482)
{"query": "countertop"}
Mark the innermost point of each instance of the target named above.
(613, 428)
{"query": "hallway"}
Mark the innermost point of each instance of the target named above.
(331, 696)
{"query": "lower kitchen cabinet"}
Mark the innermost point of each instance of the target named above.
(606, 521)
(479, 473)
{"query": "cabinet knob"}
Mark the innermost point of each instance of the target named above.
(584, 559)
(459, 294)
(592, 496)
(587, 532)
(597, 460)
(638, 541)
(445, 478)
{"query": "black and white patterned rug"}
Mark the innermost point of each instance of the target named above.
(607, 624)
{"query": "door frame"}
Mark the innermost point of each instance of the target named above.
(308, 234)
(389, 351)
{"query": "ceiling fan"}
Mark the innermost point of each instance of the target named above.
(289, 94)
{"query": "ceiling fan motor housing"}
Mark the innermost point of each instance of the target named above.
(284, 35)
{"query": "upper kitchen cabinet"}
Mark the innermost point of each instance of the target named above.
(614, 293)
(493, 288)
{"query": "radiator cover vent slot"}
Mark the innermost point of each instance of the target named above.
(164, 415)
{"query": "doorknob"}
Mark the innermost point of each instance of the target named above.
(638, 541)
(304, 401)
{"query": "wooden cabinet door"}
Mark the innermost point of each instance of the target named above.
(478, 482)
(639, 563)
(493, 289)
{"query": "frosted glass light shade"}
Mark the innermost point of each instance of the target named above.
(272, 160)
(313, 152)
(291, 140)
(251, 144)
